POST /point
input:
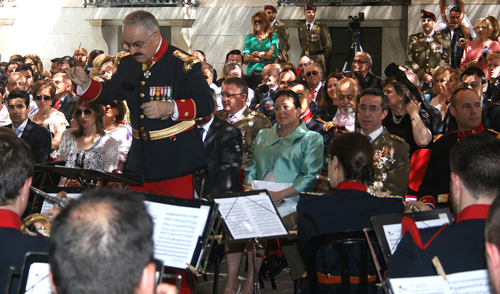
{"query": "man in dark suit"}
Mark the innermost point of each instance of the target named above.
(314, 76)
(36, 136)
(362, 64)
(222, 143)
(65, 101)
(459, 246)
(16, 174)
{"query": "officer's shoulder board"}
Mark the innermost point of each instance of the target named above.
(119, 57)
(397, 138)
(189, 61)
(495, 133)
(441, 135)
(258, 114)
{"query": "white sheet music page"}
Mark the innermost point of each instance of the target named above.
(393, 232)
(176, 231)
(48, 205)
(251, 216)
(471, 282)
(38, 279)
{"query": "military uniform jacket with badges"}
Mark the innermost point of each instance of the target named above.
(281, 30)
(317, 39)
(173, 156)
(249, 123)
(391, 162)
(423, 57)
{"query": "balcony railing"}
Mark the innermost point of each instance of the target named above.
(138, 3)
(301, 3)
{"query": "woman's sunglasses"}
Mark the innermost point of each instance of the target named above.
(258, 21)
(45, 97)
(86, 111)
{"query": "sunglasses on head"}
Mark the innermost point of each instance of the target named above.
(258, 21)
(86, 111)
(311, 73)
(40, 97)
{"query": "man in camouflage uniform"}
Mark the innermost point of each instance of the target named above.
(391, 158)
(314, 37)
(280, 29)
(249, 122)
(427, 50)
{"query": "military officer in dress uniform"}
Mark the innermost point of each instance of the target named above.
(427, 50)
(314, 37)
(249, 122)
(279, 29)
(392, 158)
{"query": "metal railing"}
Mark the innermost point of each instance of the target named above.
(301, 3)
(116, 3)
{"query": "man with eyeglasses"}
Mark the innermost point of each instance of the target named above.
(165, 90)
(392, 154)
(314, 37)
(233, 70)
(65, 101)
(362, 64)
(249, 122)
(17, 81)
(427, 50)
(314, 76)
(36, 136)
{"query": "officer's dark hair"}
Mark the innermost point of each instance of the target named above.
(16, 165)
(475, 160)
(240, 84)
(26, 67)
(205, 65)
(19, 94)
(492, 228)
(302, 83)
(376, 92)
(146, 19)
(475, 71)
(455, 9)
(355, 154)
(67, 60)
(289, 94)
(55, 59)
(453, 98)
(235, 52)
(101, 243)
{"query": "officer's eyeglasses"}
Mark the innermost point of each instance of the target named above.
(309, 73)
(136, 45)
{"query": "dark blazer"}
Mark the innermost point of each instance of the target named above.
(327, 112)
(223, 147)
(39, 139)
(372, 81)
(68, 106)
(13, 248)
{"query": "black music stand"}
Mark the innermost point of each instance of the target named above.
(85, 175)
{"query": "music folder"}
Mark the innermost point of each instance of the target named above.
(181, 229)
(389, 231)
(35, 274)
(249, 215)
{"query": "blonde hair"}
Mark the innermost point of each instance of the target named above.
(265, 22)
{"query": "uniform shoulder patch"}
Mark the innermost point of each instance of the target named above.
(441, 135)
(189, 61)
(395, 137)
(256, 113)
(119, 57)
(497, 134)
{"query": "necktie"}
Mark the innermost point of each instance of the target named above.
(313, 92)
(308, 27)
(202, 130)
(271, 93)
(232, 118)
(58, 104)
(18, 132)
(369, 138)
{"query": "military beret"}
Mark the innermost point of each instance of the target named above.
(270, 7)
(309, 7)
(427, 14)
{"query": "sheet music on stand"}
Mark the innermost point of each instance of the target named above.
(249, 215)
(471, 282)
(389, 232)
(35, 274)
(181, 229)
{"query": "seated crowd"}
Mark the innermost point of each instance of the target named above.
(288, 123)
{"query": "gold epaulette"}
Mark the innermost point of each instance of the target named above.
(327, 125)
(256, 113)
(312, 194)
(119, 57)
(397, 138)
(189, 61)
(494, 132)
(441, 135)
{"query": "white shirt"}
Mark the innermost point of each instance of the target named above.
(374, 135)
(4, 116)
(237, 114)
(310, 23)
(349, 123)
(206, 127)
